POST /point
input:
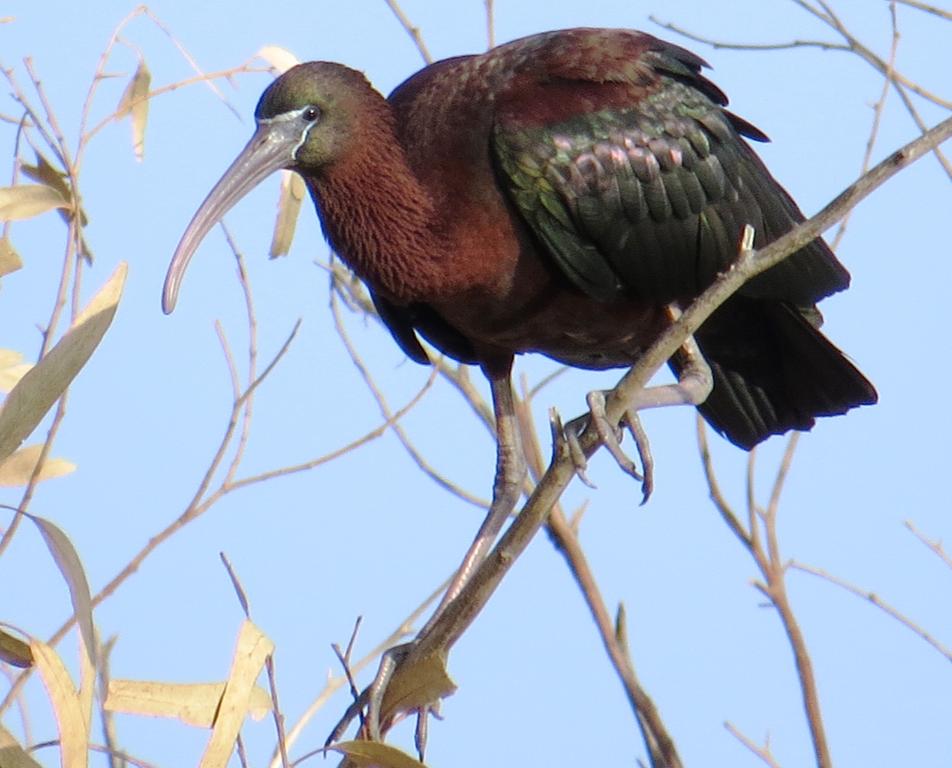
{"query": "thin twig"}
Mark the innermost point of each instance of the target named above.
(878, 110)
(935, 546)
(935, 11)
(398, 430)
(410, 29)
(874, 599)
(762, 752)
(334, 684)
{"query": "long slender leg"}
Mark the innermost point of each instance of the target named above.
(507, 486)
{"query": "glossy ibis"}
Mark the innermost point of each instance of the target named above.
(561, 194)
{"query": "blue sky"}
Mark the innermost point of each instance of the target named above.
(369, 535)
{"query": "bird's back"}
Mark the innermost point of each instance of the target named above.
(591, 177)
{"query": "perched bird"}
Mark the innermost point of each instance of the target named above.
(558, 194)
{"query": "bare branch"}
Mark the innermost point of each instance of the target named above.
(417, 457)
(935, 546)
(762, 752)
(878, 109)
(410, 29)
(872, 597)
(942, 14)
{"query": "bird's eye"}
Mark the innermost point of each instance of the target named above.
(310, 114)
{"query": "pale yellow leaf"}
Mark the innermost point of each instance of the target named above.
(14, 651)
(9, 258)
(73, 734)
(135, 103)
(34, 395)
(289, 205)
(280, 59)
(12, 755)
(17, 468)
(12, 369)
(192, 703)
(373, 754)
(252, 649)
(27, 200)
(67, 560)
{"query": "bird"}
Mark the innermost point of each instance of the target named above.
(564, 194)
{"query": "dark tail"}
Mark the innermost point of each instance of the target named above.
(773, 371)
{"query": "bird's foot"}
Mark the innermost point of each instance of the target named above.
(611, 436)
(403, 685)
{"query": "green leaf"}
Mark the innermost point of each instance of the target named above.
(24, 201)
(34, 395)
(67, 560)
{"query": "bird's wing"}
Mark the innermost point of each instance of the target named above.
(636, 179)
(404, 321)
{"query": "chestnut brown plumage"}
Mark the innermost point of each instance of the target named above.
(556, 194)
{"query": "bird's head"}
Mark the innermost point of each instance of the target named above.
(306, 121)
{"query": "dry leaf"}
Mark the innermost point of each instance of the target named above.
(14, 651)
(252, 649)
(289, 205)
(34, 395)
(67, 560)
(12, 369)
(17, 469)
(135, 103)
(415, 685)
(193, 703)
(46, 173)
(27, 200)
(12, 755)
(370, 754)
(280, 59)
(9, 258)
(73, 733)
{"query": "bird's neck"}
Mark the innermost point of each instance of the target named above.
(380, 220)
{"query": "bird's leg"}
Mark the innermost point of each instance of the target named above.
(507, 486)
(692, 388)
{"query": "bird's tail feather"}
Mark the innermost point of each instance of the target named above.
(773, 372)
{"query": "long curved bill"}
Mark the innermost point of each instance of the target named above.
(271, 148)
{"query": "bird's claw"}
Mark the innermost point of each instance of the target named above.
(610, 436)
(419, 686)
(567, 435)
(367, 705)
